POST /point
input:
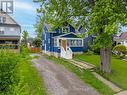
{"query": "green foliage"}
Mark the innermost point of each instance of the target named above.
(30, 83)
(18, 76)
(25, 38)
(37, 42)
(8, 62)
(39, 27)
(120, 49)
(89, 52)
(102, 17)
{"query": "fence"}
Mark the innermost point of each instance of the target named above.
(35, 49)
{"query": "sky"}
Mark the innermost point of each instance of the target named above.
(25, 15)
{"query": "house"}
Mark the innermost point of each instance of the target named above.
(9, 32)
(121, 39)
(62, 42)
(88, 39)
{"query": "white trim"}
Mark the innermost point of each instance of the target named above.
(71, 38)
(77, 43)
(65, 35)
(58, 44)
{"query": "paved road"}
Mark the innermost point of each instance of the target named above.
(59, 81)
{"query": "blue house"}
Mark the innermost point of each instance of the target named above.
(88, 39)
(62, 42)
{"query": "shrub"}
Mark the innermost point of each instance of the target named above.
(8, 62)
(120, 50)
(89, 52)
(37, 42)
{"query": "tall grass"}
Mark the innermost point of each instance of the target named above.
(8, 62)
(18, 76)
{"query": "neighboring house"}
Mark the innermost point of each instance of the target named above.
(121, 39)
(9, 32)
(62, 42)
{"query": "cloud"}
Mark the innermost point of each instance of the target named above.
(24, 6)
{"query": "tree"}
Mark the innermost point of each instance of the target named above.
(37, 42)
(39, 27)
(25, 37)
(102, 18)
(40, 21)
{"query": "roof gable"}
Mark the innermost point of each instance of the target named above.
(9, 20)
(123, 35)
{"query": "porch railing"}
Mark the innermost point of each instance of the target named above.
(9, 46)
(66, 54)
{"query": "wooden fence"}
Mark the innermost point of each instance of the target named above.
(35, 49)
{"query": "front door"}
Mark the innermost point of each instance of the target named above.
(64, 44)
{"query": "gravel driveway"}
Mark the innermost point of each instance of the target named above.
(60, 81)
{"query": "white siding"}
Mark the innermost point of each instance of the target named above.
(10, 31)
(125, 42)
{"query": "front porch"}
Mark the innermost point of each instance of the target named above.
(10, 44)
(68, 46)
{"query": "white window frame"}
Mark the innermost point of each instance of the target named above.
(2, 30)
(65, 29)
(2, 19)
(77, 42)
(43, 43)
(56, 42)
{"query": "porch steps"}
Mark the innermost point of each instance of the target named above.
(84, 65)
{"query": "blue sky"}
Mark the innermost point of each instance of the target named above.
(25, 15)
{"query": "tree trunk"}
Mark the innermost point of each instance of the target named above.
(105, 55)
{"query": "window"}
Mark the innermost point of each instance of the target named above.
(1, 30)
(2, 19)
(75, 43)
(55, 42)
(65, 29)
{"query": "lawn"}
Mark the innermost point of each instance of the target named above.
(119, 68)
(84, 75)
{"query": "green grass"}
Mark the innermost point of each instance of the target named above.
(119, 68)
(18, 76)
(84, 75)
(30, 83)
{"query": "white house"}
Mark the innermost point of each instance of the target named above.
(9, 32)
(121, 39)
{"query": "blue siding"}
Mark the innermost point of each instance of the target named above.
(87, 41)
(77, 49)
(57, 49)
(72, 29)
(49, 41)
